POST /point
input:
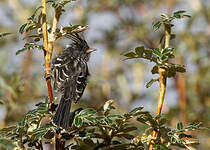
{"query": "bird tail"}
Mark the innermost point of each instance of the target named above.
(62, 115)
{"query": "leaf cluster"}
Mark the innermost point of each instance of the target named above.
(96, 129)
(168, 19)
(160, 56)
(34, 24)
(59, 4)
(29, 130)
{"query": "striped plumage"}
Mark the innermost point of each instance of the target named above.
(70, 72)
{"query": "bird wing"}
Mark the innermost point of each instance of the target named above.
(70, 76)
(82, 80)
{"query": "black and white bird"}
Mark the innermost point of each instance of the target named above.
(70, 73)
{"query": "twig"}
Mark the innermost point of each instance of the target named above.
(47, 53)
(59, 145)
(48, 49)
(162, 81)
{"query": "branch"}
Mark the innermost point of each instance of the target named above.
(47, 52)
(59, 145)
(162, 81)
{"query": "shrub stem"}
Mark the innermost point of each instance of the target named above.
(47, 51)
(162, 81)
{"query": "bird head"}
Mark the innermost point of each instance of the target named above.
(79, 47)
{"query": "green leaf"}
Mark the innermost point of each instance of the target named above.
(128, 129)
(204, 128)
(173, 140)
(156, 25)
(6, 144)
(148, 119)
(139, 50)
(20, 51)
(108, 120)
(157, 52)
(168, 50)
(127, 136)
(114, 116)
(34, 14)
(163, 16)
(180, 68)
(49, 134)
(142, 120)
(178, 16)
(167, 22)
(94, 135)
(60, 4)
(33, 36)
(161, 147)
(78, 121)
(135, 110)
(163, 58)
(187, 16)
(75, 27)
(50, 1)
(90, 119)
(21, 30)
(155, 69)
(70, 28)
(179, 126)
(130, 54)
(41, 132)
(147, 54)
(89, 142)
(4, 34)
(191, 141)
(151, 82)
(32, 27)
(189, 147)
(162, 121)
(36, 39)
(99, 117)
(180, 12)
(79, 29)
(194, 124)
(88, 111)
(29, 46)
(4, 132)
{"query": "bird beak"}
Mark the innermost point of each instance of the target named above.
(90, 51)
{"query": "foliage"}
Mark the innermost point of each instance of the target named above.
(34, 24)
(160, 56)
(96, 129)
(28, 130)
(100, 129)
(167, 20)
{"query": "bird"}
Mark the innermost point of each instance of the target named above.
(70, 73)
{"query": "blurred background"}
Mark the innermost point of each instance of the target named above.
(115, 26)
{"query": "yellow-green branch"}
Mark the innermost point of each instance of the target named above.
(48, 41)
(47, 54)
(44, 26)
(48, 49)
(162, 82)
